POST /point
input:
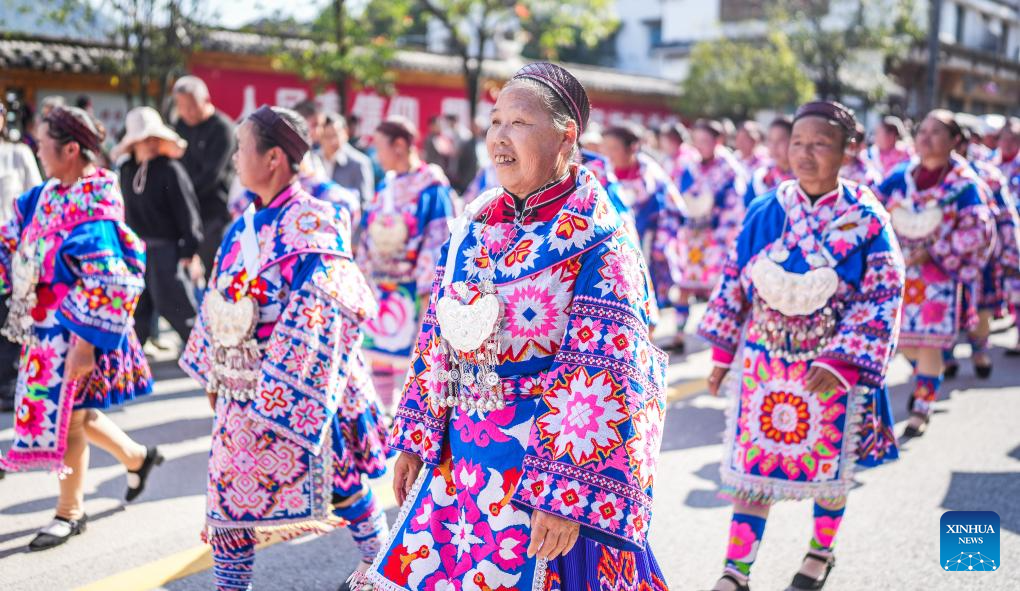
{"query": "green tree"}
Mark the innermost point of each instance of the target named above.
(156, 36)
(738, 78)
(472, 25)
(346, 48)
(826, 42)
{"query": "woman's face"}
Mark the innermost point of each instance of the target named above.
(884, 139)
(525, 147)
(56, 160)
(253, 169)
(744, 142)
(620, 155)
(705, 143)
(393, 153)
(934, 141)
(816, 151)
(778, 141)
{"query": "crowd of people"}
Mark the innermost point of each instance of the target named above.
(489, 321)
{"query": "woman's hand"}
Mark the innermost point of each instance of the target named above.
(405, 472)
(551, 536)
(820, 380)
(81, 359)
(194, 268)
(715, 379)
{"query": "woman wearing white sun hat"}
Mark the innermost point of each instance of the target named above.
(161, 206)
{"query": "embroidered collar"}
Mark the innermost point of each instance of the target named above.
(281, 198)
(821, 201)
(540, 205)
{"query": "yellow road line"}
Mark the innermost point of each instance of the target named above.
(194, 560)
(687, 390)
(157, 573)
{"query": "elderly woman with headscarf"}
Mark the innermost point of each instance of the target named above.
(531, 420)
(806, 320)
(277, 347)
(947, 232)
(73, 272)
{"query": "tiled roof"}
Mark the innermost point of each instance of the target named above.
(57, 55)
(62, 55)
(594, 78)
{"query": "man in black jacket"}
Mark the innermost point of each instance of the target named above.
(210, 137)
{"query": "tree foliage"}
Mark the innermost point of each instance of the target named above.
(348, 47)
(738, 78)
(826, 41)
(156, 36)
(550, 26)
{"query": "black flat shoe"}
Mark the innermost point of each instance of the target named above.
(950, 370)
(137, 478)
(57, 532)
(802, 582)
(912, 431)
(983, 372)
(678, 347)
(739, 586)
(1015, 352)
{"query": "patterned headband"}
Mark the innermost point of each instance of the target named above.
(64, 120)
(564, 85)
(830, 111)
(280, 131)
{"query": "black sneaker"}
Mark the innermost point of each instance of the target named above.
(136, 478)
(57, 532)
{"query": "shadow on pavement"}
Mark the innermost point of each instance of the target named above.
(986, 491)
(175, 478)
(23, 549)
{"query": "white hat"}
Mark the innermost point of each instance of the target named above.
(143, 123)
(992, 123)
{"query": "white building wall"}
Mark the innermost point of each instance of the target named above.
(634, 41)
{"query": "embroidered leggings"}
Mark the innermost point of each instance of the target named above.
(233, 553)
(91, 426)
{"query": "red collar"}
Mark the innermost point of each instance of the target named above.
(541, 206)
(629, 173)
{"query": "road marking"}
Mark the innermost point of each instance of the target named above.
(198, 558)
(687, 390)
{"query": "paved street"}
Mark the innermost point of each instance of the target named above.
(969, 460)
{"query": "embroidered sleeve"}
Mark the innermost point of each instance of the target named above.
(436, 210)
(309, 354)
(868, 329)
(727, 308)
(731, 215)
(103, 265)
(595, 440)
(419, 423)
(963, 251)
(667, 226)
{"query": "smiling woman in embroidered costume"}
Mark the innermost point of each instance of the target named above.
(532, 416)
(946, 229)
(73, 272)
(403, 227)
(277, 346)
(805, 319)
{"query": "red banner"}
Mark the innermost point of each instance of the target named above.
(238, 92)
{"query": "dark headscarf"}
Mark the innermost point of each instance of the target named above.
(281, 132)
(567, 89)
(77, 124)
(833, 111)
